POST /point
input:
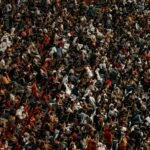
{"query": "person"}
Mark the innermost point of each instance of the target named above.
(74, 74)
(91, 143)
(108, 136)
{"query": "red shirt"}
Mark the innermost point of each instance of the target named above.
(87, 1)
(122, 146)
(108, 136)
(91, 145)
(108, 83)
(117, 65)
(34, 90)
(7, 103)
(46, 39)
(17, 147)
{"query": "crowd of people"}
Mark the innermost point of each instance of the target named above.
(74, 76)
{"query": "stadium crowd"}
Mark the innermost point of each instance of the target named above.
(74, 76)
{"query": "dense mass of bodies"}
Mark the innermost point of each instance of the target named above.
(74, 76)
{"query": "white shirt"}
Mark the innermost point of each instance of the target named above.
(101, 146)
(20, 113)
(2, 63)
(89, 72)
